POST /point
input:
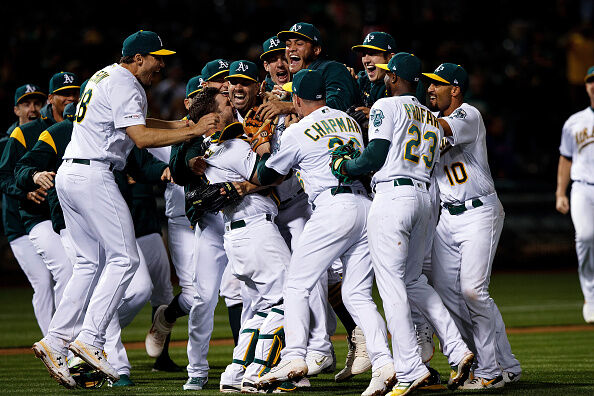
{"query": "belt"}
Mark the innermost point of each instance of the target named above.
(83, 161)
(284, 204)
(405, 181)
(459, 209)
(342, 190)
(242, 223)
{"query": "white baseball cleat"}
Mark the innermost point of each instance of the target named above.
(285, 370)
(483, 383)
(357, 360)
(461, 371)
(161, 328)
(195, 383)
(509, 377)
(95, 357)
(55, 362)
(425, 341)
(404, 388)
(588, 312)
(317, 363)
(382, 379)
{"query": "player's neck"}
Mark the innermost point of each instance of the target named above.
(57, 116)
(453, 106)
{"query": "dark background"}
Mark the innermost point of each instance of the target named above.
(526, 60)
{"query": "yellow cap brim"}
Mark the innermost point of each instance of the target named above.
(435, 77)
(241, 76)
(356, 47)
(36, 93)
(273, 50)
(194, 92)
(288, 87)
(295, 33)
(588, 76)
(67, 87)
(383, 66)
(216, 74)
(162, 52)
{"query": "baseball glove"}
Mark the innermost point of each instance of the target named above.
(359, 116)
(257, 131)
(339, 156)
(84, 375)
(210, 197)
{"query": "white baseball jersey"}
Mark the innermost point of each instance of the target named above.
(113, 100)
(306, 147)
(412, 154)
(234, 160)
(464, 171)
(291, 186)
(576, 143)
(175, 202)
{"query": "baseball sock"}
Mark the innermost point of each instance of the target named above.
(234, 312)
(335, 298)
(173, 310)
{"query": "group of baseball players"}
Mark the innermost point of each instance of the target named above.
(332, 180)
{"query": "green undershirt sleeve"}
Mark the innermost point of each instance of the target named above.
(266, 176)
(371, 160)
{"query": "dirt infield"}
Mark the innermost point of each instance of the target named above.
(229, 341)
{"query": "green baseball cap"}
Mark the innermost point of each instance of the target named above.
(404, 65)
(193, 86)
(214, 68)
(273, 44)
(243, 69)
(451, 74)
(302, 30)
(379, 41)
(307, 84)
(589, 75)
(27, 90)
(63, 80)
(144, 42)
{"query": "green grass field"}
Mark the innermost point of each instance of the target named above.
(541, 310)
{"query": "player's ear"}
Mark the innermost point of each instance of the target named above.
(16, 111)
(456, 91)
(139, 59)
(317, 50)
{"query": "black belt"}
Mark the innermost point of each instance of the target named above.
(241, 223)
(82, 161)
(458, 209)
(286, 201)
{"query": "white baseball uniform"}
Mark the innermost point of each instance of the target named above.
(336, 229)
(95, 212)
(466, 239)
(576, 143)
(180, 236)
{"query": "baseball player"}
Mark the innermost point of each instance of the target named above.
(28, 100)
(468, 231)
(35, 212)
(575, 163)
(110, 119)
(403, 149)
(276, 66)
(214, 73)
(304, 51)
(336, 229)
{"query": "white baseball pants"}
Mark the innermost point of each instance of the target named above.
(582, 210)
(157, 261)
(180, 239)
(39, 277)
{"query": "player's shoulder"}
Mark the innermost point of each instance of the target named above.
(465, 112)
(586, 113)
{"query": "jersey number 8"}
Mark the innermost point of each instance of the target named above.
(81, 111)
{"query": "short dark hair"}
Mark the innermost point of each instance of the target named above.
(127, 59)
(203, 103)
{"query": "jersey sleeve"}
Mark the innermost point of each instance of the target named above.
(567, 146)
(127, 105)
(464, 123)
(287, 155)
(243, 159)
(339, 87)
(381, 121)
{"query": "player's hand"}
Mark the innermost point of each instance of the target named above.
(562, 204)
(352, 71)
(241, 188)
(291, 119)
(197, 165)
(44, 179)
(205, 124)
(37, 196)
(272, 108)
(279, 92)
(364, 110)
(166, 176)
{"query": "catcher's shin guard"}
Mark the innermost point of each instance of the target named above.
(243, 353)
(270, 343)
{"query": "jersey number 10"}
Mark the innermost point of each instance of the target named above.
(457, 171)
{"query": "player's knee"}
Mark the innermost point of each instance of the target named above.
(585, 236)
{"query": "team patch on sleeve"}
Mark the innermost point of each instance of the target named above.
(458, 113)
(377, 117)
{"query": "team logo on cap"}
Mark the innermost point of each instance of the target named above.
(439, 68)
(242, 67)
(377, 117)
(274, 42)
(223, 64)
(295, 28)
(368, 38)
(68, 79)
(29, 88)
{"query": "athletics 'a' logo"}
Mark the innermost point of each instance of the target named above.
(439, 68)
(295, 28)
(274, 42)
(29, 89)
(242, 67)
(223, 64)
(68, 79)
(369, 38)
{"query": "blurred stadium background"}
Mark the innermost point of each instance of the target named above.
(526, 61)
